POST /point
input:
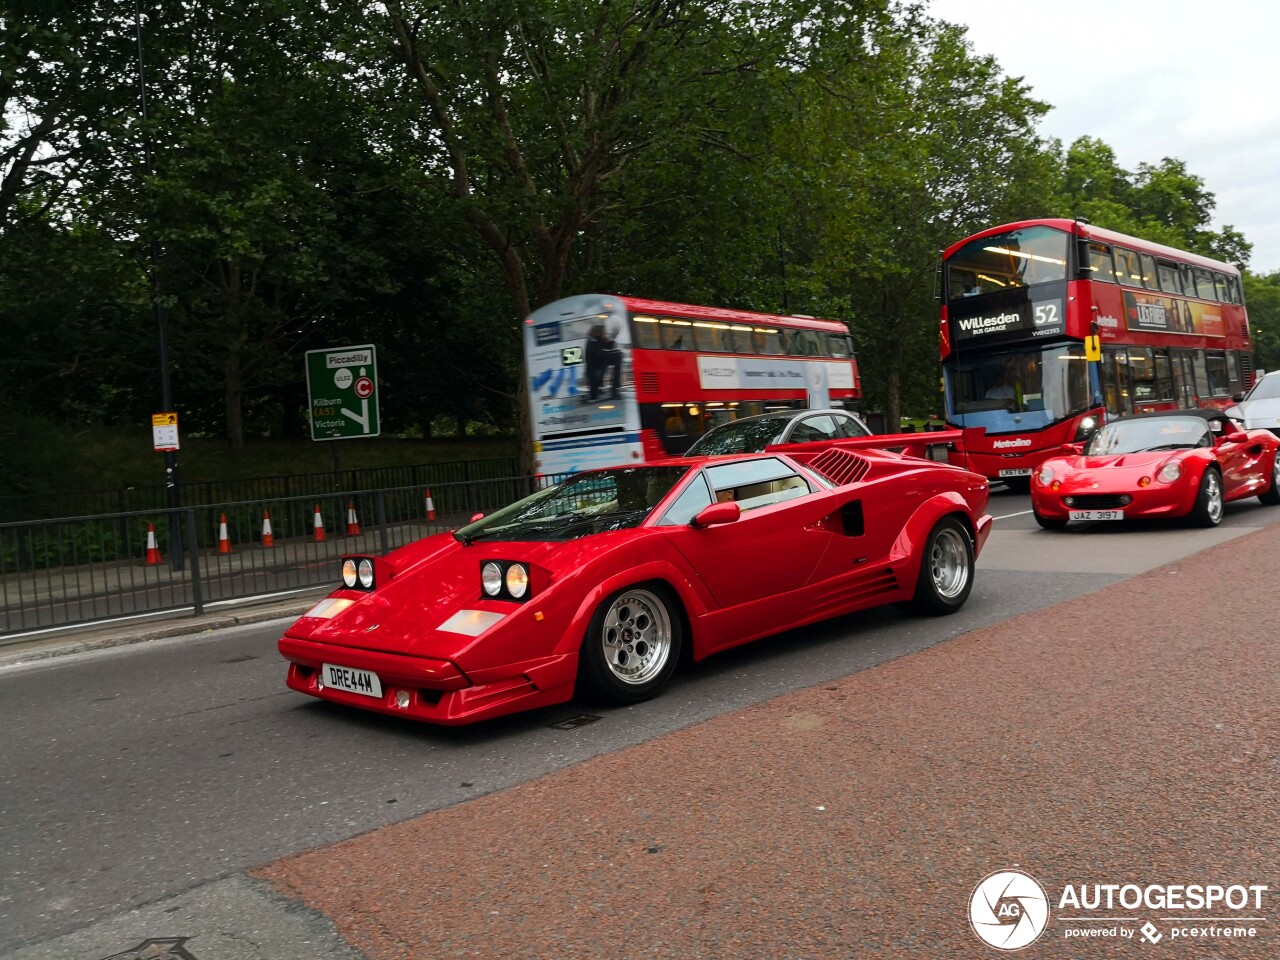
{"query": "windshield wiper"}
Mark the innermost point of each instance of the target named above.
(1167, 446)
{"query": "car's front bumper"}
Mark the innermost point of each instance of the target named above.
(1146, 503)
(438, 691)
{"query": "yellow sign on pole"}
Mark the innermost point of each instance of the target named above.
(164, 431)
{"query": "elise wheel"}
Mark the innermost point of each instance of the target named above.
(1049, 523)
(1209, 503)
(632, 646)
(946, 571)
(1271, 496)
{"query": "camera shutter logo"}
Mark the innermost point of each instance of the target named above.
(1008, 910)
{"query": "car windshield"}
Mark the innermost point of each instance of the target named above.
(1268, 388)
(586, 503)
(1149, 434)
(740, 436)
(1019, 258)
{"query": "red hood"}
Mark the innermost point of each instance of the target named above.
(435, 578)
(1123, 469)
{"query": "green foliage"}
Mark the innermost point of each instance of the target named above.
(1262, 297)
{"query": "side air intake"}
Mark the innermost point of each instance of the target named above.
(840, 466)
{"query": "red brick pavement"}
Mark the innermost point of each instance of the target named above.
(1131, 735)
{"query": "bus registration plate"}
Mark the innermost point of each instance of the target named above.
(1097, 514)
(1016, 472)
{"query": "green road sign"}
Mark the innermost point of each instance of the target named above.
(342, 392)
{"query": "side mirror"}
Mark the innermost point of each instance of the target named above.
(716, 513)
(1235, 436)
(475, 517)
(1238, 397)
(1071, 449)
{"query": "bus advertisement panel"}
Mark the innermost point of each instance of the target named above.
(614, 379)
(1019, 301)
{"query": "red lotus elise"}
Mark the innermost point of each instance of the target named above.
(1177, 463)
(598, 583)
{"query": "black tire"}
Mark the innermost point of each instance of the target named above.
(1271, 496)
(1049, 523)
(1209, 503)
(946, 570)
(624, 657)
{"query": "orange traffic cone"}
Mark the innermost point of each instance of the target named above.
(431, 506)
(353, 523)
(319, 525)
(153, 549)
(224, 542)
(267, 539)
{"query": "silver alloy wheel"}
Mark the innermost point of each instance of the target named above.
(949, 563)
(1213, 496)
(636, 637)
(1275, 471)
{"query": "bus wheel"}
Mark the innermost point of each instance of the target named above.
(1049, 523)
(1271, 496)
(1208, 509)
(946, 572)
(632, 646)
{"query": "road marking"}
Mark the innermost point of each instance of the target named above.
(1008, 515)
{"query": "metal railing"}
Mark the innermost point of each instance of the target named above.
(72, 571)
(211, 492)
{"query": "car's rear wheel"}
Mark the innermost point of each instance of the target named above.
(946, 573)
(632, 646)
(1271, 496)
(1049, 523)
(1209, 503)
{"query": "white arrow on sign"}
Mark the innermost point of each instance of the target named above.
(361, 418)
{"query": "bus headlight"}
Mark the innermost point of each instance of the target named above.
(1085, 429)
(491, 579)
(1170, 472)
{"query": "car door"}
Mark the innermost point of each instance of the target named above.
(1244, 467)
(774, 545)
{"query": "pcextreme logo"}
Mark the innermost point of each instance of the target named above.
(1010, 910)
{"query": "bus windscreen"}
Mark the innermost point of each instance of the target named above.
(1018, 258)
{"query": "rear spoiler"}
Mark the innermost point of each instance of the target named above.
(908, 444)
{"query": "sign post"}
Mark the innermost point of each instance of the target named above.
(164, 432)
(342, 395)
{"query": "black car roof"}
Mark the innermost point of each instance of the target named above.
(1205, 413)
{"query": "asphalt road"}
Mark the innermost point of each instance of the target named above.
(131, 774)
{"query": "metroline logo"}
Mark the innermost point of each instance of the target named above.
(1005, 444)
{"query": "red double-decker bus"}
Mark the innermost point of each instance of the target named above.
(615, 379)
(1019, 301)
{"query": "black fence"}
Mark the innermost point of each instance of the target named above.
(77, 570)
(123, 500)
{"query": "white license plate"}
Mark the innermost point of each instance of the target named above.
(1097, 514)
(363, 682)
(1016, 472)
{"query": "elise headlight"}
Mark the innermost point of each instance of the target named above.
(517, 580)
(1045, 475)
(349, 574)
(365, 571)
(1170, 472)
(491, 579)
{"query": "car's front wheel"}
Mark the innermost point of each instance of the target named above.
(1049, 523)
(632, 646)
(1271, 496)
(946, 573)
(1209, 503)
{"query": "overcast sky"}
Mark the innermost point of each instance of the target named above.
(1153, 79)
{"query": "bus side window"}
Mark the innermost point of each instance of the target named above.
(1115, 380)
(1129, 271)
(646, 333)
(1204, 284)
(742, 339)
(1188, 281)
(1169, 280)
(838, 346)
(1216, 368)
(1149, 272)
(1100, 264)
(768, 341)
(1164, 376)
(1221, 287)
(676, 334)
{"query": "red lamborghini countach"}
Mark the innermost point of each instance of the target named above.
(1177, 463)
(597, 584)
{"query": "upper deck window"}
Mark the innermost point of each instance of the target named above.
(1100, 265)
(1128, 267)
(1017, 258)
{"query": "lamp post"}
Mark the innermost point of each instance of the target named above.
(166, 392)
